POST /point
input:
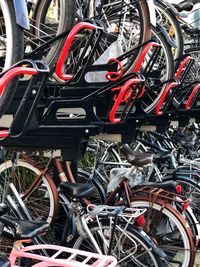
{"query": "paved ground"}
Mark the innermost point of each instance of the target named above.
(197, 261)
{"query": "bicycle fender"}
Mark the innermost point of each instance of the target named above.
(21, 13)
(152, 245)
(168, 39)
(173, 9)
(152, 12)
(170, 7)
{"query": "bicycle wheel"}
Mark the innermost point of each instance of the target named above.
(100, 157)
(195, 53)
(11, 48)
(114, 17)
(51, 18)
(41, 198)
(166, 18)
(163, 70)
(169, 229)
(131, 20)
(129, 245)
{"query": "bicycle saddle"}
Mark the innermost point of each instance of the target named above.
(4, 261)
(136, 158)
(183, 7)
(77, 189)
(168, 186)
(24, 230)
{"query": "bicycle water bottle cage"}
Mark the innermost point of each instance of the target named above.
(68, 43)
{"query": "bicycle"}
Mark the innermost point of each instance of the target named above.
(120, 218)
(168, 213)
(26, 231)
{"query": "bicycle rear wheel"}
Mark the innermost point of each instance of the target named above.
(170, 230)
(170, 23)
(190, 187)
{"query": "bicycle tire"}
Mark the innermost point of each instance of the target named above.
(68, 16)
(65, 23)
(14, 50)
(169, 17)
(151, 97)
(130, 231)
(33, 198)
(172, 215)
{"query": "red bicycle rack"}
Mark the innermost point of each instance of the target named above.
(43, 119)
(11, 73)
(126, 88)
(192, 97)
(63, 55)
(164, 97)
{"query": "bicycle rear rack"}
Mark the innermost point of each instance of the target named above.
(72, 258)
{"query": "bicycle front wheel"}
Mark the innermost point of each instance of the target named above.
(162, 70)
(51, 18)
(41, 197)
(115, 17)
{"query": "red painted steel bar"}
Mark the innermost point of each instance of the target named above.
(70, 38)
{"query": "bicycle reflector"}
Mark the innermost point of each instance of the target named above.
(186, 205)
(140, 220)
(178, 189)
